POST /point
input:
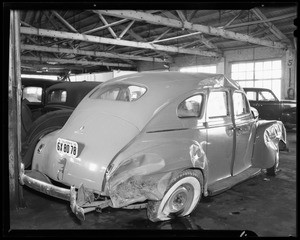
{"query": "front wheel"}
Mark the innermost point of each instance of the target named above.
(180, 199)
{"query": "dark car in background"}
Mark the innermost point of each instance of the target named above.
(33, 101)
(34, 93)
(67, 95)
(270, 107)
(59, 102)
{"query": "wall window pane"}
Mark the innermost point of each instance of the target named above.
(202, 69)
(265, 74)
(251, 96)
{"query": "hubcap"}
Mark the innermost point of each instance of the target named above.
(181, 199)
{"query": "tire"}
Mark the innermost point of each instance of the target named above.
(180, 199)
(47, 123)
(272, 171)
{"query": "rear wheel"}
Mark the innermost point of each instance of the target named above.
(47, 123)
(180, 199)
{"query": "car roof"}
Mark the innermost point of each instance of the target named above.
(38, 82)
(256, 89)
(161, 80)
(76, 91)
(162, 88)
(74, 86)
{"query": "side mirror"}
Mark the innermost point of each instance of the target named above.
(254, 113)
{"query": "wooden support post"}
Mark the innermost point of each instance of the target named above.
(14, 112)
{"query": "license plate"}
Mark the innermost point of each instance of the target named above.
(67, 147)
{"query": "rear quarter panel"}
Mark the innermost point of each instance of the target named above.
(266, 144)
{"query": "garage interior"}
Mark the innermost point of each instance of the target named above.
(96, 45)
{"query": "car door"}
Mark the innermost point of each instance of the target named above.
(219, 135)
(244, 127)
(268, 105)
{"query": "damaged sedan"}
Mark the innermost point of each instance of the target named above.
(156, 140)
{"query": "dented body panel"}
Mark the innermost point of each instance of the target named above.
(268, 135)
(129, 151)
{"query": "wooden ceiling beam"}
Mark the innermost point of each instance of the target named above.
(87, 53)
(261, 21)
(105, 26)
(158, 20)
(270, 26)
(74, 61)
(96, 39)
(109, 28)
(68, 25)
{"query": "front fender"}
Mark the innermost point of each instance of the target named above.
(269, 135)
(146, 175)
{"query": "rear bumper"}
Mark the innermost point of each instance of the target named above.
(40, 183)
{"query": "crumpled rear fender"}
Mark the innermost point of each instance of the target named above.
(270, 136)
(146, 174)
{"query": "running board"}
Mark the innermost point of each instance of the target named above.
(227, 183)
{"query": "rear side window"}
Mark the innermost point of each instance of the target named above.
(33, 94)
(240, 104)
(57, 96)
(191, 107)
(119, 92)
(217, 105)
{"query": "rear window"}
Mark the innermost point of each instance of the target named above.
(33, 94)
(57, 96)
(120, 92)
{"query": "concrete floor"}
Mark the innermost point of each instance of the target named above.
(264, 205)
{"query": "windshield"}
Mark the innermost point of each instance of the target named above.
(119, 92)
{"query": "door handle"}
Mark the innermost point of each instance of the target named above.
(234, 128)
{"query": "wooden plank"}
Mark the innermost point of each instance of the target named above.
(126, 29)
(105, 26)
(72, 61)
(261, 21)
(158, 20)
(173, 38)
(96, 39)
(163, 34)
(88, 53)
(181, 15)
(68, 25)
(14, 112)
(109, 28)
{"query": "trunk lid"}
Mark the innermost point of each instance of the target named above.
(100, 136)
